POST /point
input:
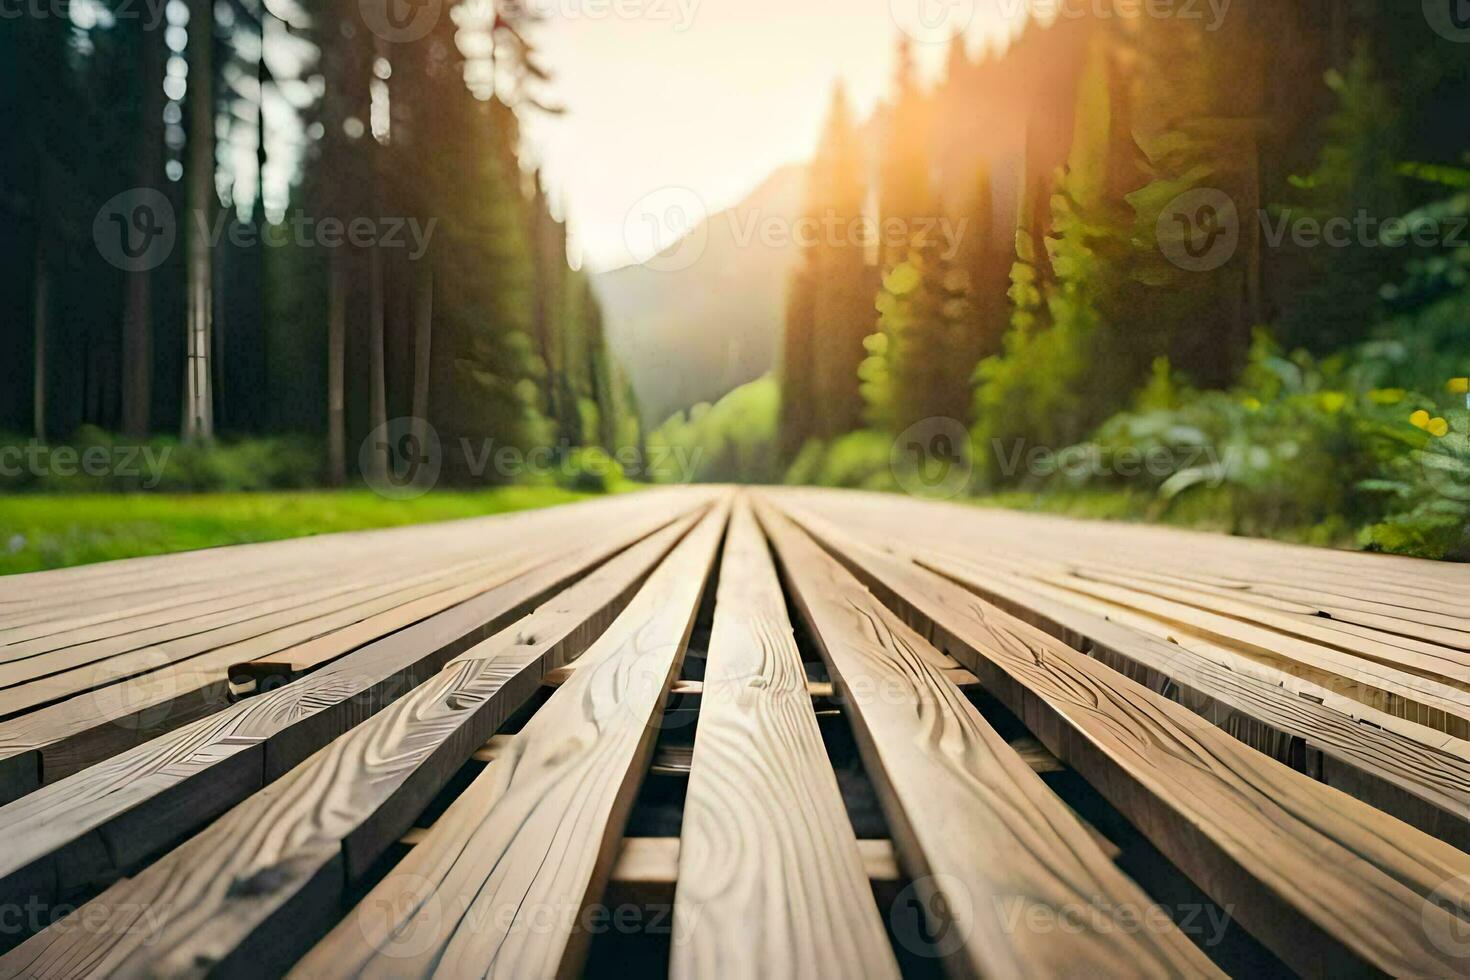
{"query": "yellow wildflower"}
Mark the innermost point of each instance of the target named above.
(1420, 419)
(1459, 386)
(1438, 427)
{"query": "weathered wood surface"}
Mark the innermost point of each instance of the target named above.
(499, 889)
(1214, 692)
(100, 823)
(287, 854)
(763, 818)
(156, 694)
(1327, 881)
(1420, 774)
(973, 825)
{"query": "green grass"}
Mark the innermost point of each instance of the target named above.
(41, 531)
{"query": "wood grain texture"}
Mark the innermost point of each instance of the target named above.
(287, 853)
(1420, 775)
(500, 885)
(1327, 882)
(47, 679)
(987, 844)
(50, 743)
(1413, 591)
(771, 881)
(92, 827)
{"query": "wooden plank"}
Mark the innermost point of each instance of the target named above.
(974, 827)
(320, 828)
(65, 737)
(1419, 775)
(647, 871)
(1328, 883)
(501, 882)
(89, 829)
(1408, 588)
(763, 818)
(1433, 694)
(44, 680)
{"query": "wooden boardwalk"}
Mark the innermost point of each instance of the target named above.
(753, 733)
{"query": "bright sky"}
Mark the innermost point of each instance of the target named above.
(710, 96)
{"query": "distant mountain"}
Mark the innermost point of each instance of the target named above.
(688, 335)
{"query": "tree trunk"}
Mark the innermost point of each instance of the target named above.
(40, 315)
(336, 373)
(377, 384)
(137, 380)
(423, 333)
(198, 398)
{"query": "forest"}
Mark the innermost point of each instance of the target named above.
(1211, 272)
(310, 224)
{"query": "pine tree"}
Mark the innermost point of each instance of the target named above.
(842, 286)
(798, 368)
(906, 195)
(914, 369)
